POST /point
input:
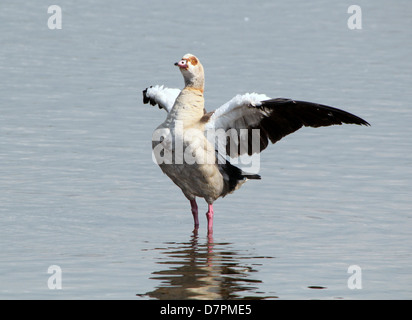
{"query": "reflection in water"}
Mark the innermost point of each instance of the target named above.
(205, 271)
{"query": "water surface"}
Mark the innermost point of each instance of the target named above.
(78, 187)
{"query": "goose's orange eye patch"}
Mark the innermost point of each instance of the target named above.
(193, 61)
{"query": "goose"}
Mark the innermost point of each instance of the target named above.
(199, 162)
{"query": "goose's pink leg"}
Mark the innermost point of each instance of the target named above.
(209, 216)
(193, 204)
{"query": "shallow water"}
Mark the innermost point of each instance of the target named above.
(78, 188)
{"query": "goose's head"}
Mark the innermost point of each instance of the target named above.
(192, 71)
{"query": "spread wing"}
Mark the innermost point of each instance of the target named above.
(275, 118)
(161, 96)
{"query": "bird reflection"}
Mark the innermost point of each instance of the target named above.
(210, 270)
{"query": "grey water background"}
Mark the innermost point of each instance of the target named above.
(79, 189)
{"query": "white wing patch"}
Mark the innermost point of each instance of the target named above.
(164, 97)
(238, 112)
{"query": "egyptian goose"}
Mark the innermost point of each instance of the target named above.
(198, 164)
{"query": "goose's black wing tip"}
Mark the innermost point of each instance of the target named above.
(312, 114)
(147, 99)
(365, 123)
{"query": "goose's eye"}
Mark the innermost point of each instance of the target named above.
(182, 63)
